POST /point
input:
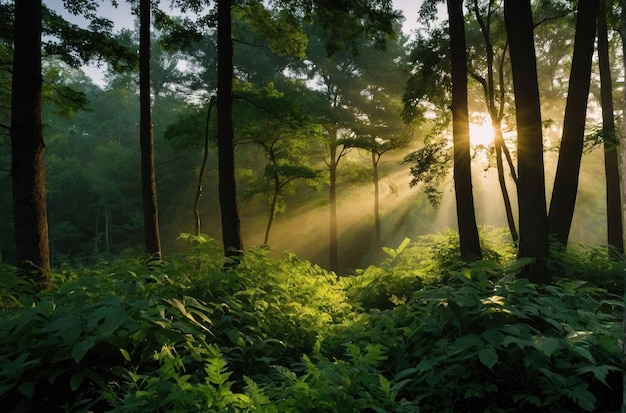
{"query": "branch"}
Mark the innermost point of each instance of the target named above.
(482, 81)
(547, 19)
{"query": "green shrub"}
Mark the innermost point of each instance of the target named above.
(284, 335)
(427, 260)
(509, 345)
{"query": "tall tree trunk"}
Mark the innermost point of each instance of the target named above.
(622, 148)
(570, 154)
(378, 232)
(533, 230)
(27, 146)
(205, 157)
(146, 138)
(466, 218)
(611, 162)
(332, 168)
(229, 205)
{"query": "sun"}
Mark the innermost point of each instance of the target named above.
(481, 134)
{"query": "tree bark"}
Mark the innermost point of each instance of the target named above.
(533, 230)
(229, 205)
(27, 147)
(570, 154)
(615, 237)
(146, 138)
(466, 218)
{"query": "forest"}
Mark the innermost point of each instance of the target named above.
(302, 206)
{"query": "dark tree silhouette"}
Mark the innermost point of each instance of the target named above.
(570, 154)
(229, 205)
(466, 217)
(146, 138)
(611, 162)
(27, 146)
(533, 230)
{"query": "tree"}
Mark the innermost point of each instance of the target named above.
(229, 204)
(148, 180)
(533, 229)
(27, 145)
(466, 218)
(379, 127)
(205, 157)
(277, 120)
(335, 112)
(611, 144)
(570, 153)
(428, 89)
(494, 96)
(345, 21)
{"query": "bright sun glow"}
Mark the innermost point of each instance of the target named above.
(481, 134)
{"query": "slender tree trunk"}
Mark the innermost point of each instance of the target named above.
(570, 154)
(107, 230)
(611, 162)
(196, 202)
(622, 148)
(498, 143)
(96, 233)
(533, 230)
(468, 231)
(27, 146)
(146, 138)
(272, 209)
(496, 114)
(229, 205)
(332, 168)
(377, 229)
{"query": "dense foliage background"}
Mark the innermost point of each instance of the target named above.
(324, 118)
(420, 332)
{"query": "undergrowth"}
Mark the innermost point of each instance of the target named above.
(419, 332)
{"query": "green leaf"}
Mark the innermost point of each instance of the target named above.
(488, 357)
(464, 343)
(527, 398)
(81, 348)
(114, 320)
(27, 389)
(384, 385)
(546, 345)
(71, 334)
(600, 372)
(125, 354)
(236, 338)
(63, 323)
(582, 396)
(493, 336)
(582, 351)
(76, 380)
(46, 308)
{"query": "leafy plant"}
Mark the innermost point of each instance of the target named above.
(279, 335)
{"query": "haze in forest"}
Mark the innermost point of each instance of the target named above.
(302, 227)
